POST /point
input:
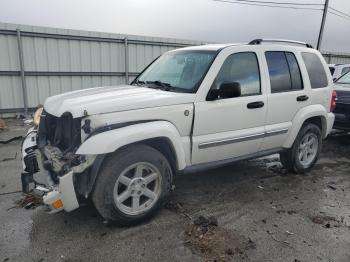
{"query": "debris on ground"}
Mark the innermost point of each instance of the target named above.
(9, 158)
(29, 201)
(214, 243)
(11, 139)
(205, 238)
(277, 169)
(327, 221)
(206, 221)
(332, 187)
(273, 165)
(178, 208)
(289, 233)
(2, 124)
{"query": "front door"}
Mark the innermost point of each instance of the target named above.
(231, 127)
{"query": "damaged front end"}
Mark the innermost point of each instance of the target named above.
(55, 140)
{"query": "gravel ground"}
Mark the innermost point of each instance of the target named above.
(251, 211)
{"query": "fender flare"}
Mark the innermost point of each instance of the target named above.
(300, 118)
(112, 140)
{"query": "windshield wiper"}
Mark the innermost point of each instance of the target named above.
(139, 82)
(160, 84)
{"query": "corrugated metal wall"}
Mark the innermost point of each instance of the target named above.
(337, 58)
(60, 60)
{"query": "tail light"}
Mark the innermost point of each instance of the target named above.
(333, 101)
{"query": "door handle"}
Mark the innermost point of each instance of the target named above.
(302, 98)
(257, 104)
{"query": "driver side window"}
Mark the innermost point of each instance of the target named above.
(242, 68)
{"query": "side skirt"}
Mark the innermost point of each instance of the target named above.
(225, 162)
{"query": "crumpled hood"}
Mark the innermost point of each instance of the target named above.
(112, 99)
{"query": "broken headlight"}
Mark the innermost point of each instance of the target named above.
(37, 115)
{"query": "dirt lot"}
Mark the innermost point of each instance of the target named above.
(249, 211)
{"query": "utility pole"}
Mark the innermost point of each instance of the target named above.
(325, 10)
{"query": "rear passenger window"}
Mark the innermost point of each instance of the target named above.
(284, 71)
(314, 67)
(297, 82)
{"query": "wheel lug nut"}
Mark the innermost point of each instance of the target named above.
(132, 191)
(139, 192)
(143, 185)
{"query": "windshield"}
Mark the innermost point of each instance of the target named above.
(345, 79)
(180, 71)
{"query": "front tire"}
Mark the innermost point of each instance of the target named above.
(305, 150)
(132, 185)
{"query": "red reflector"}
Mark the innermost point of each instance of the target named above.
(333, 101)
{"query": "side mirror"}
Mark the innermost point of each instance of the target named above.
(225, 90)
(230, 90)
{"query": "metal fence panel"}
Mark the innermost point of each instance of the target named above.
(337, 58)
(60, 60)
(8, 53)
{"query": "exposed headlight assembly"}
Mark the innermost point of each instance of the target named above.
(37, 115)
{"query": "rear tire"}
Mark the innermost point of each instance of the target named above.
(303, 155)
(132, 185)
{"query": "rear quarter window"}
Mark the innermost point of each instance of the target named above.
(315, 70)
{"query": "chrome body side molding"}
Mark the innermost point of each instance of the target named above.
(242, 138)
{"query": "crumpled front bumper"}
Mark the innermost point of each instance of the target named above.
(56, 196)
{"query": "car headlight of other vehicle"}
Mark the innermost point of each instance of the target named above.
(37, 115)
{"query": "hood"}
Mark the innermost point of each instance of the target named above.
(112, 99)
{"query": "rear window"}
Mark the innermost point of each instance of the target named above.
(315, 69)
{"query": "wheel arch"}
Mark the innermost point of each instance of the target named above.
(315, 114)
(151, 133)
(161, 135)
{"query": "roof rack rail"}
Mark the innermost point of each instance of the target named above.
(259, 41)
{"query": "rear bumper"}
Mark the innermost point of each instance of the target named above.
(330, 123)
(57, 196)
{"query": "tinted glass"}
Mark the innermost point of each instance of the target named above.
(294, 69)
(179, 70)
(315, 69)
(242, 68)
(331, 69)
(279, 72)
(345, 70)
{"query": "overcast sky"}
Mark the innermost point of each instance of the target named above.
(204, 20)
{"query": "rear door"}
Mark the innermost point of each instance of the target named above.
(288, 94)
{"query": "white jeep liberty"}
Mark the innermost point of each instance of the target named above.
(192, 108)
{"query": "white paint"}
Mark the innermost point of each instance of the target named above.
(68, 196)
(112, 99)
(110, 141)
